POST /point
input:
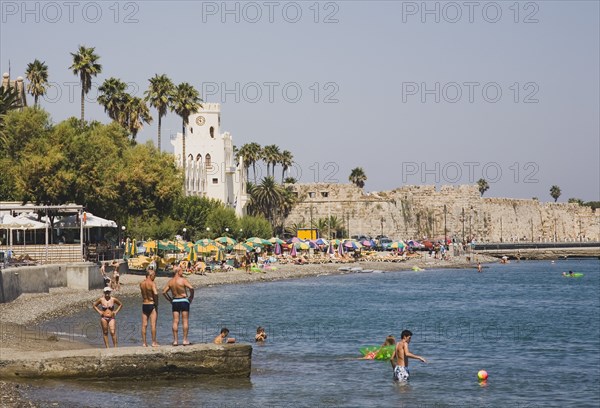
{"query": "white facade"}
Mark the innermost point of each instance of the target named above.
(210, 168)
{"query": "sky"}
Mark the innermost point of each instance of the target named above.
(415, 93)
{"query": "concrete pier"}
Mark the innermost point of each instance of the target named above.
(228, 360)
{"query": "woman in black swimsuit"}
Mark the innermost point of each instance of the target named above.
(105, 306)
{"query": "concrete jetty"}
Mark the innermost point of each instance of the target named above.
(197, 360)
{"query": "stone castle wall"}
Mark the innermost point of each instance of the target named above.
(415, 212)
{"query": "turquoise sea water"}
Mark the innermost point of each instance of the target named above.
(536, 333)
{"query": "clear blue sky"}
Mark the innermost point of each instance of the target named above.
(413, 92)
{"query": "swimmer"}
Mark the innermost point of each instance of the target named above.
(105, 306)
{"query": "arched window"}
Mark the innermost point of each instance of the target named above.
(212, 132)
(199, 158)
(207, 161)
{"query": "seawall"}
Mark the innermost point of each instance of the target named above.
(40, 278)
(230, 360)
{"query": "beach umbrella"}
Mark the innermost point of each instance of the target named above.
(312, 244)
(276, 240)
(366, 243)
(330, 249)
(277, 248)
(301, 245)
(294, 240)
(293, 251)
(322, 241)
(127, 249)
(336, 241)
(258, 241)
(208, 248)
(226, 241)
(192, 255)
(352, 244)
(241, 247)
(133, 249)
(205, 242)
(220, 256)
(397, 245)
(341, 250)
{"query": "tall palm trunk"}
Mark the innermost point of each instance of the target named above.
(82, 103)
(159, 123)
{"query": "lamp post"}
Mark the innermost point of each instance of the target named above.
(241, 232)
(226, 231)
(311, 222)
(122, 240)
(445, 227)
(470, 225)
(184, 231)
(531, 220)
(500, 229)
(207, 232)
(463, 224)
(382, 221)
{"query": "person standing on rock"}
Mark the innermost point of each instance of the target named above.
(105, 306)
(149, 306)
(180, 303)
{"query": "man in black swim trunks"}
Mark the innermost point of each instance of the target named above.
(149, 306)
(180, 302)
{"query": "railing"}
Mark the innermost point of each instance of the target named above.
(56, 253)
(534, 245)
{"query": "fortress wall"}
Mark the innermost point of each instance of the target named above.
(418, 211)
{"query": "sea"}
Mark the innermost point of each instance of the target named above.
(535, 332)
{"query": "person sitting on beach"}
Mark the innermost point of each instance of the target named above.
(105, 306)
(261, 336)
(389, 341)
(221, 337)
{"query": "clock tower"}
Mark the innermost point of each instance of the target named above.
(210, 168)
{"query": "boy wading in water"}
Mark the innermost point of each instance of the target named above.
(400, 357)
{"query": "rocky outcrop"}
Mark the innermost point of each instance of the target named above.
(230, 360)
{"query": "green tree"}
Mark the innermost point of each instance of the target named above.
(555, 192)
(193, 212)
(483, 186)
(266, 198)
(358, 177)
(254, 226)
(290, 180)
(37, 75)
(286, 159)
(9, 100)
(576, 201)
(251, 152)
(112, 97)
(221, 218)
(185, 101)
(135, 114)
(85, 64)
(159, 95)
(270, 155)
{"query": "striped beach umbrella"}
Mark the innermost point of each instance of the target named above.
(227, 241)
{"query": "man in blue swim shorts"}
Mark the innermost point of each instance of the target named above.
(400, 357)
(180, 303)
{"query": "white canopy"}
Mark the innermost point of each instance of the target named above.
(7, 221)
(91, 221)
(30, 220)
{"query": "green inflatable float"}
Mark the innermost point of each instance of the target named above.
(382, 353)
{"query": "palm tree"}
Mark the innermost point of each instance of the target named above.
(555, 192)
(271, 155)
(268, 197)
(185, 101)
(159, 95)
(290, 180)
(37, 75)
(335, 226)
(251, 152)
(113, 98)
(9, 100)
(483, 186)
(136, 112)
(286, 160)
(358, 177)
(85, 64)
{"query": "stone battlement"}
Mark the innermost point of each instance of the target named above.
(459, 212)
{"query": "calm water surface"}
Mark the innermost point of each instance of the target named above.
(535, 332)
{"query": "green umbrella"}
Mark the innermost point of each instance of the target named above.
(226, 241)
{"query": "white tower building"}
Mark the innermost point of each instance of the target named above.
(210, 168)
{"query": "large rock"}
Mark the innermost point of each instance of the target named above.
(230, 360)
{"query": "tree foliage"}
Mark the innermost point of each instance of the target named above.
(555, 192)
(482, 186)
